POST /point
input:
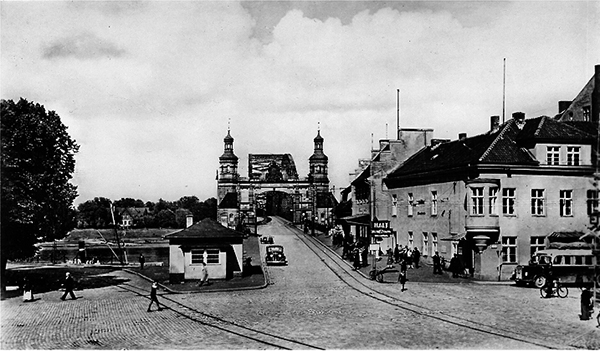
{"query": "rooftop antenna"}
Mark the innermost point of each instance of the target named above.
(371, 141)
(386, 130)
(503, 90)
(398, 113)
(319, 126)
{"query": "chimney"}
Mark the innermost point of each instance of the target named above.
(596, 95)
(462, 136)
(189, 220)
(494, 123)
(563, 105)
(519, 118)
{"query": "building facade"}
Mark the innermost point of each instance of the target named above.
(493, 198)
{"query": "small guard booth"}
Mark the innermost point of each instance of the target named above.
(207, 241)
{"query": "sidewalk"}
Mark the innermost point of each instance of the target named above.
(422, 274)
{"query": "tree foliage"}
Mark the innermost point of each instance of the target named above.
(38, 160)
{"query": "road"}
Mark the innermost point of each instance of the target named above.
(315, 301)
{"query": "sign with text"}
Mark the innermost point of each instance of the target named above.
(381, 228)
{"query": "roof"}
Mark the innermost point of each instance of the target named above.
(506, 146)
(135, 212)
(208, 228)
(565, 236)
(229, 201)
(363, 219)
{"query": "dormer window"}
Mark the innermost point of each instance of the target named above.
(586, 113)
(573, 155)
(552, 155)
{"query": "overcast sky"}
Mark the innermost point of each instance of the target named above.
(147, 88)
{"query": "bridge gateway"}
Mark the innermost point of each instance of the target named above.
(273, 187)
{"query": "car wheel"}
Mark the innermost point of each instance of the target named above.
(539, 281)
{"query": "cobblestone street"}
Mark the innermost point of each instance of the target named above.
(305, 302)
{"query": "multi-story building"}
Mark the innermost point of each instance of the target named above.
(492, 199)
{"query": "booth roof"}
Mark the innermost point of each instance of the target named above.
(207, 228)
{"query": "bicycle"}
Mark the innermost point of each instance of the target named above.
(556, 290)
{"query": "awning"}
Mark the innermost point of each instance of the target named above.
(455, 237)
(358, 219)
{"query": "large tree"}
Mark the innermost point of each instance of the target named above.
(38, 159)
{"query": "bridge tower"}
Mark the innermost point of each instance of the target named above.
(318, 166)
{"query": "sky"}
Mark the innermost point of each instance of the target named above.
(148, 89)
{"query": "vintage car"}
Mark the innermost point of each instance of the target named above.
(266, 240)
(275, 255)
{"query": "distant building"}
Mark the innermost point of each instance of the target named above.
(273, 187)
(132, 216)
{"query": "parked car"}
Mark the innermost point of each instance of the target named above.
(275, 255)
(266, 240)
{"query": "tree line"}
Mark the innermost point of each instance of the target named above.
(98, 213)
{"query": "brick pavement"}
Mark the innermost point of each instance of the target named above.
(305, 302)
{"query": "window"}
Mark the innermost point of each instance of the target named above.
(434, 203)
(578, 260)
(394, 205)
(586, 113)
(208, 256)
(552, 155)
(536, 243)
(566, 203)
(573, 155)
(509, 249)
(212, 256)
(477, 201)
(567, 259)
(411, 204)
(537, 202)
(493, 199)
(434, 244)
(410, 240)
(425, 241)
(592, 202)
(197, 256)
(509, 199)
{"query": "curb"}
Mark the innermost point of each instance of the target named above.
(264, 285)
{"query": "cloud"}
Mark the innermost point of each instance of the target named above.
(82, 46)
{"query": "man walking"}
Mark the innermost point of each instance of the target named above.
(153, 297)
(437, 263)
(204, 275)
(69, 286)
(417, 257)
(142, 260)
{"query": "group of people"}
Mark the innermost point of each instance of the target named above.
(412, 257)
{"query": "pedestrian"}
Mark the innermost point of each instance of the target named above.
(365, 255)
(153, 297)
(397, 254)
(27, 290)
(204, 275)
(390, 258)
(417, 257)
(142, 260)
(409, 258)
(356, 254)
(586, 304)
(437, 263)
(402, 277)
(69, 286)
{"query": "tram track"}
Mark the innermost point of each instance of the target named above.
(345, 273)
(193, 314)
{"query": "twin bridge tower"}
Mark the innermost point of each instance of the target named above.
(273, 187)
